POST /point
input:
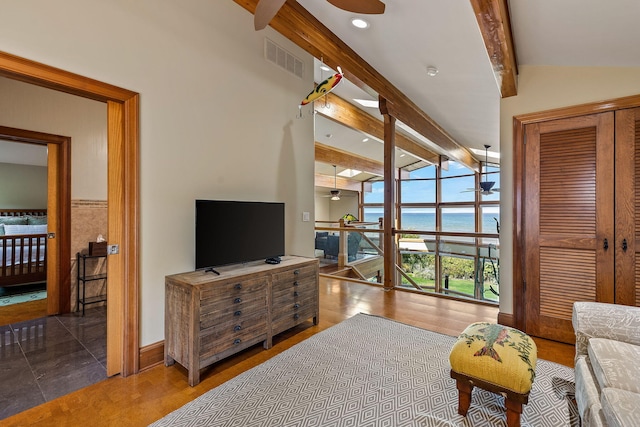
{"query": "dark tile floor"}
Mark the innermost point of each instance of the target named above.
(46, 358)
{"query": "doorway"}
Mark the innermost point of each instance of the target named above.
(575, 241)
(122, 199)
(58, 212)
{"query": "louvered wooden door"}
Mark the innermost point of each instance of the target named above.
(627, 207)
(569, 220)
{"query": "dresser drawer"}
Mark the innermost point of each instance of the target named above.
(287, 278)
(234, 333)
(229, 288)
(302, 286)
(230, 309)
(292, 295)
(291, 319)
(286, 307)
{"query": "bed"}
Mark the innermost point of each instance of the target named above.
(23, 244)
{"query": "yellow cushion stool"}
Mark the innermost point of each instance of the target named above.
(495, 358)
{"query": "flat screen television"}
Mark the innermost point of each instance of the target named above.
(231, 232)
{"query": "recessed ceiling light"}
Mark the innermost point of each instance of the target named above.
(359, 23)
(325, 68)
(367, 103)
(365, 139)
(432, 71)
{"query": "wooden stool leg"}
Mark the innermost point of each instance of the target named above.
(514, 409)
(464, 396)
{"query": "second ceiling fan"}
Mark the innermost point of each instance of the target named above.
(267, 9)
(486, 187)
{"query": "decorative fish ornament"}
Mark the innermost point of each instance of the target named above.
(493, 334)
(323, 88)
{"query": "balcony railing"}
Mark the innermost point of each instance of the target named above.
(461, 265)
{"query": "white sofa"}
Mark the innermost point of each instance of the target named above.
(607, 367)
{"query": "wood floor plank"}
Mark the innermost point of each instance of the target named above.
(140, 399)
(15, 313)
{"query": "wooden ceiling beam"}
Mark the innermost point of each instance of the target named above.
(341, 183)
(335, 156)
(495, 26)
(295, 23)
(353, 117)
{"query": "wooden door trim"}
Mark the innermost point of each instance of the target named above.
(58, 296)
(519, 123)
(123, 226)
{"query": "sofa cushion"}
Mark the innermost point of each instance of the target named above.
(615, 364)
(587, 390)
(621, 408)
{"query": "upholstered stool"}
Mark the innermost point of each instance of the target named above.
(495, 358)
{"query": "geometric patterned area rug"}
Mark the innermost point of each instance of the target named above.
(369, 371)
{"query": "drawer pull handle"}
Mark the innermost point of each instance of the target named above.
(238, 286)
(237, 300)
(296, 272)
(296, 306)
(237, 341)
(237, 313)
(237, 327)
(296, 283)
(296, 316)
(296, 294)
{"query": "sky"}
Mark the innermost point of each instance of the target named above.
(458, 189)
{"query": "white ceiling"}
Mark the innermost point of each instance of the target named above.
(464, 97)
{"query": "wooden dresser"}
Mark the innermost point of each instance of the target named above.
(209, 317)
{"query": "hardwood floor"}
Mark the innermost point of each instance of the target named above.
(25, 311)
(141, 399)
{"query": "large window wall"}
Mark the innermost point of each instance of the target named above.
(446, 231)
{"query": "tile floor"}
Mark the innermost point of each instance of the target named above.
(46, 358)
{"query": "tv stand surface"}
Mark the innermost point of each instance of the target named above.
(210, 317)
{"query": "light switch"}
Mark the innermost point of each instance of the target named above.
(305, 216)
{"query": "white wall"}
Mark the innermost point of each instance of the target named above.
(333, 210)
(217, 120)
(30, 107)
(23, 186)
(543, 88)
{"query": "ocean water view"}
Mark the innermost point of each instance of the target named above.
(451, 221)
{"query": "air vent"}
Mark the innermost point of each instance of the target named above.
(282, 58)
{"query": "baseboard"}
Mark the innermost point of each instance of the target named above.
(151, 355)
(506, 319)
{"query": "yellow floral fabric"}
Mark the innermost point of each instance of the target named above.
(496, 354)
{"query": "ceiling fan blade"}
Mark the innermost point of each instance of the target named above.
(370, 7)
(265, 11)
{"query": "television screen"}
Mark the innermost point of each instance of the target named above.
(230, 232)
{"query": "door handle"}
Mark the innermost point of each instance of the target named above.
(624, 245)
(606, 244)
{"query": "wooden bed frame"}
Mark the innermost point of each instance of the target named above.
(18, 272)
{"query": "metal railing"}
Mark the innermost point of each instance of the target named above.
(462, 265)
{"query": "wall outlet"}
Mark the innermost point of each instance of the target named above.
(113, 249)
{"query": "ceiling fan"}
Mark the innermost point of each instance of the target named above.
(486, 187)
(335, 194)
(267, 9)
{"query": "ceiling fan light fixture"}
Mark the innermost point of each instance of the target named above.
(359, 23)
